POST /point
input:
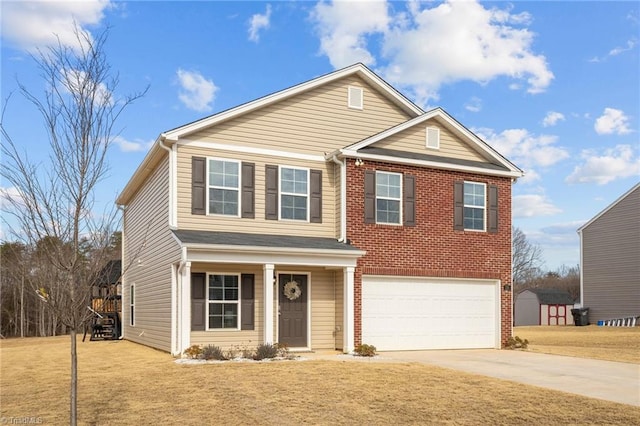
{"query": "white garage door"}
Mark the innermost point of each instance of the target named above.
(407, 313)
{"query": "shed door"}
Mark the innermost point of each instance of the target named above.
(408, 313)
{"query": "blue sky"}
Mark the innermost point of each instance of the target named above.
(554, 86)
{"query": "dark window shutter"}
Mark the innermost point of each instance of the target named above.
(198, 300)
(271, 192)
(247, 296)
(198, 185)
(248, 190)
(369, 196)
(492, 212)
(409, 200)
(458, 205)
(315, 201)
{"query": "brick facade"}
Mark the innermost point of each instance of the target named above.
(431, 248)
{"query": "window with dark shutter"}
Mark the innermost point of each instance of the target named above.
(409, 200)
(492, 211)
(458, 205)
(198, 300)
(248, 190)
(248, 302)
(271, 192)
(315, 194)
(198, 185)
(369, 196)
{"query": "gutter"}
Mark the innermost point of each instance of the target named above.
(343, 198)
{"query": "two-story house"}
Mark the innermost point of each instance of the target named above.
(332, 213)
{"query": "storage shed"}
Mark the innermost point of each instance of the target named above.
(543, 306)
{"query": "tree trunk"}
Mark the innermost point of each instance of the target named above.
(22, 307)
(73, 415)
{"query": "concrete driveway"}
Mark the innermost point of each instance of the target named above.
(611, 381)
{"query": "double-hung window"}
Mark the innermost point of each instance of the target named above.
(294, 193)
(474, 206)
(223, 301)
(388, 197)
(224, 187)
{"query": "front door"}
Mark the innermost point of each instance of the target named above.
(293, 315)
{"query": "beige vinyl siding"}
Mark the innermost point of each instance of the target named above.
(323, 309)
(150, 251)
(611, 261)
(313, 122)
(414, 140)
(330, 217)
(227, 339)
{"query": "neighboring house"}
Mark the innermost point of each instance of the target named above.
(332, 213)
(543, 306)
(610, 260)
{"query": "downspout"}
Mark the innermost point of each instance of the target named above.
(172, 195)
(343, 198)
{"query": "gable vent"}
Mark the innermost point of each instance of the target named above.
(355, 97)
(433, 138)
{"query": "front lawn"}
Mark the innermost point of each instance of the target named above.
(125, 383)
(607, 343)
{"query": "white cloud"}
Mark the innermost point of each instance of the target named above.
(612, 121)
(533, 205)
(552, 118)
(526, 150)
(343, 27)
(35, 24)
(259, 22)
(132, 146)
(601, 168)
(618, 50)
(425, 48)
(9, 196)
(474, 104)
(197, 93)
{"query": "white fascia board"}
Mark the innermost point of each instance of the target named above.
(452, 124)
(271, 255)
(252, 150)
(431, 164)
(360, 69)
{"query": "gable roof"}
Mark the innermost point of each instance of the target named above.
(552, 296)
(157, 151)
(502, 165)
(610, 206)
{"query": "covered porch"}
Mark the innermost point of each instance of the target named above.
(242, 290)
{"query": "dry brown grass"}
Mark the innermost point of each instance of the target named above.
(125, 383)
(607, 343)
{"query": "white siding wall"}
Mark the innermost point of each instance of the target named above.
(149, 252)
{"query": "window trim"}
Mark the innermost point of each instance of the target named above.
(281, 193)
(132, 305)
(400, 199)
(238, 302)
(238, 189)
(484, 207)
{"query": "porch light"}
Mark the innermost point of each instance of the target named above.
(506, 287)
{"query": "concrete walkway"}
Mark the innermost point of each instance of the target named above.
(611, 381)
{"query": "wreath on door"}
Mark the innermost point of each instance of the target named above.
(292, 290)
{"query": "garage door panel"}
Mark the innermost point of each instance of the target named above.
(411, 314)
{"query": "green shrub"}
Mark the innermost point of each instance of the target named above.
(265, 350)
(193, 352)
(516, 343)
(213, 352)
(365, 350)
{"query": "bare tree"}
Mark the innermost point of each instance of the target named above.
(54, 202)
(527, 258)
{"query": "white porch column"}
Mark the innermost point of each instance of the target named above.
(348, 324)
(268, 302)
(184, 309)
